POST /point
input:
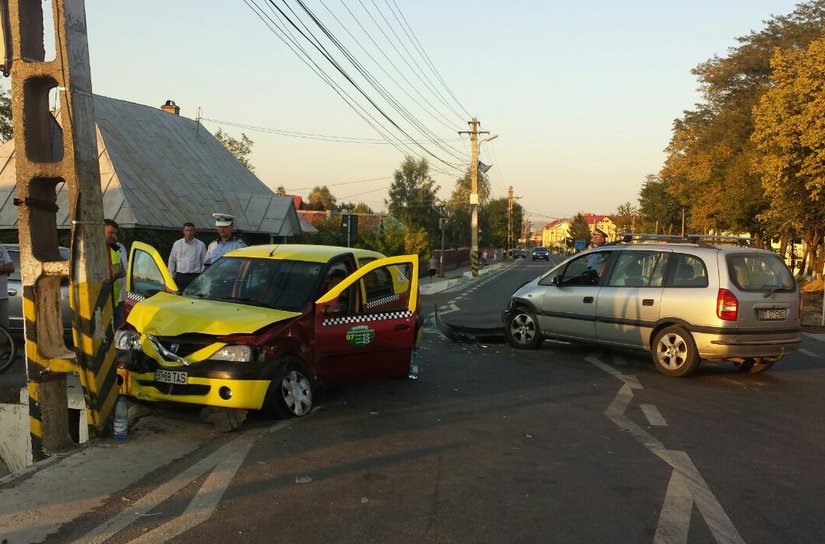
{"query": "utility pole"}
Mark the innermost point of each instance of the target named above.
(474, 132)
(509, 218)
(41, 167)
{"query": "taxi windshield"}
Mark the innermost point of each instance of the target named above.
(269, 283)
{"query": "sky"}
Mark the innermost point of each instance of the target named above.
(580, 94)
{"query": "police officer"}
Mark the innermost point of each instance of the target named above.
(226, 242)
(599, 238)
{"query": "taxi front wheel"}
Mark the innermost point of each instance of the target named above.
(291, 392)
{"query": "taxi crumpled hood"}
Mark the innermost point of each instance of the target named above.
(171, 315)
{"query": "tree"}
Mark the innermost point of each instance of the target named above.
(626, 217)
(5, 115)
(711, 151)
(240, 149)
(658, 209)
(457, 209)
(321, 199)
(789, 134)
(579, 229)
(493, 221)
(361, 207)
(412, 196)
(280, 191)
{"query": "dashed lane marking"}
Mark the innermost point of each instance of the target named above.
(808, 353)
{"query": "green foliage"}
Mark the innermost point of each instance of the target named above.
(579, 229)
(321, 199)
(658, 209)
(280, 191)
(240, 149)
(493, 219)
(412, 196)
(5, 115)
(625, 217)
(708, 169)
(790, 138)
(416, 242)
(361, 207)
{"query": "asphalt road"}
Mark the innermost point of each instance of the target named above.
(567, 443)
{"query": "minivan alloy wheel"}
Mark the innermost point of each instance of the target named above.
(674, 352)
(523, 331)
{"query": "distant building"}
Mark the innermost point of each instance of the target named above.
(603, 222)
(555, 233)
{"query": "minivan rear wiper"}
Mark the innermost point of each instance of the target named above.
(772, 291)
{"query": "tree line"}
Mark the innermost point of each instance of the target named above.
(750, 156)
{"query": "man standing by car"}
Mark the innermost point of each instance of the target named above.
(187, 256)
(6, 268)
(119, 257)
(226, 242)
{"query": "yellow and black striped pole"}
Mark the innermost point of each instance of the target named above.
(42, 166)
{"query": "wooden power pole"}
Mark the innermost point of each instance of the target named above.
(474, 132)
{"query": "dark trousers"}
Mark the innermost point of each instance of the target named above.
(185, 278)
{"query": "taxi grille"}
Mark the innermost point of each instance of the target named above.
(185, 344)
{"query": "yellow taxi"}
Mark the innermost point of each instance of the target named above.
(265, 326)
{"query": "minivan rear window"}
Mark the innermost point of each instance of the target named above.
(759, 272)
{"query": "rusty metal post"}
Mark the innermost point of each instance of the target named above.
(48, 154)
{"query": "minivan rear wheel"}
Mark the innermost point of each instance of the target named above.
(523, 329)
(674, 352)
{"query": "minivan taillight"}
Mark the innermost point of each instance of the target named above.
(727, 307)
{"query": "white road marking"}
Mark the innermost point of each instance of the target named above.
(654, 417)
(219, 458)
(452, 308)
(206, 501)
(673, 524)
(676, 511)
(808, 353)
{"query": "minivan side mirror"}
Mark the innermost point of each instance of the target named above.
(557, 280)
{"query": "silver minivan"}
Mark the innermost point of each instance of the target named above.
(681, 299)
(15, 290)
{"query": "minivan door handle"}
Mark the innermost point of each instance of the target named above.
(588, 300)
(12, 292)
(647, 302)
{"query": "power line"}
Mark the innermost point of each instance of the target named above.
(309, 37)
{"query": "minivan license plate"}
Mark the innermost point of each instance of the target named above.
(170, 376)
(772, 314)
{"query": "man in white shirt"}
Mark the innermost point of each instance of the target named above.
(187, 256)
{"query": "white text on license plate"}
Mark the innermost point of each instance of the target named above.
(170, 376)
(771, 315)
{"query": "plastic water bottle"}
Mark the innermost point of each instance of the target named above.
(121, 426)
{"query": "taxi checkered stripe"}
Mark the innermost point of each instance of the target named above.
(383, 300)
(363, 318)
(131, 295)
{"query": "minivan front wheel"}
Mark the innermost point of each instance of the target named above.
(674, 352)
(523, 330)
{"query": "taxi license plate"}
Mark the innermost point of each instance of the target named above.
(170, 376)
(771, 315)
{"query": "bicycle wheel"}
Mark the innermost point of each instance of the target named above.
(8, 350)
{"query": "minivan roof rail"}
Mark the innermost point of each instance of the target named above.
(699, 239)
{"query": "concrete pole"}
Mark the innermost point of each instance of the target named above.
(474, 196)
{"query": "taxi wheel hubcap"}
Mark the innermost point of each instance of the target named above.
(672, 351)
(523, 329)
(297, 392)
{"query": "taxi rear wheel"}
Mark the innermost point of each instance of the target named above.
(291, 392)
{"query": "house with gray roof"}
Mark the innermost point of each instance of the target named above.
(159, 170)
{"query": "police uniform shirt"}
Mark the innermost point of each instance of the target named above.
(218, 248)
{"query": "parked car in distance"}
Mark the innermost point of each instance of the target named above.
(265, 326)
(682, 301)
(541, 252)
(15, 290)
(518, 253)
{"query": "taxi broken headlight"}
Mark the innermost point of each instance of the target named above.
(236, 354)
(127, 340)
